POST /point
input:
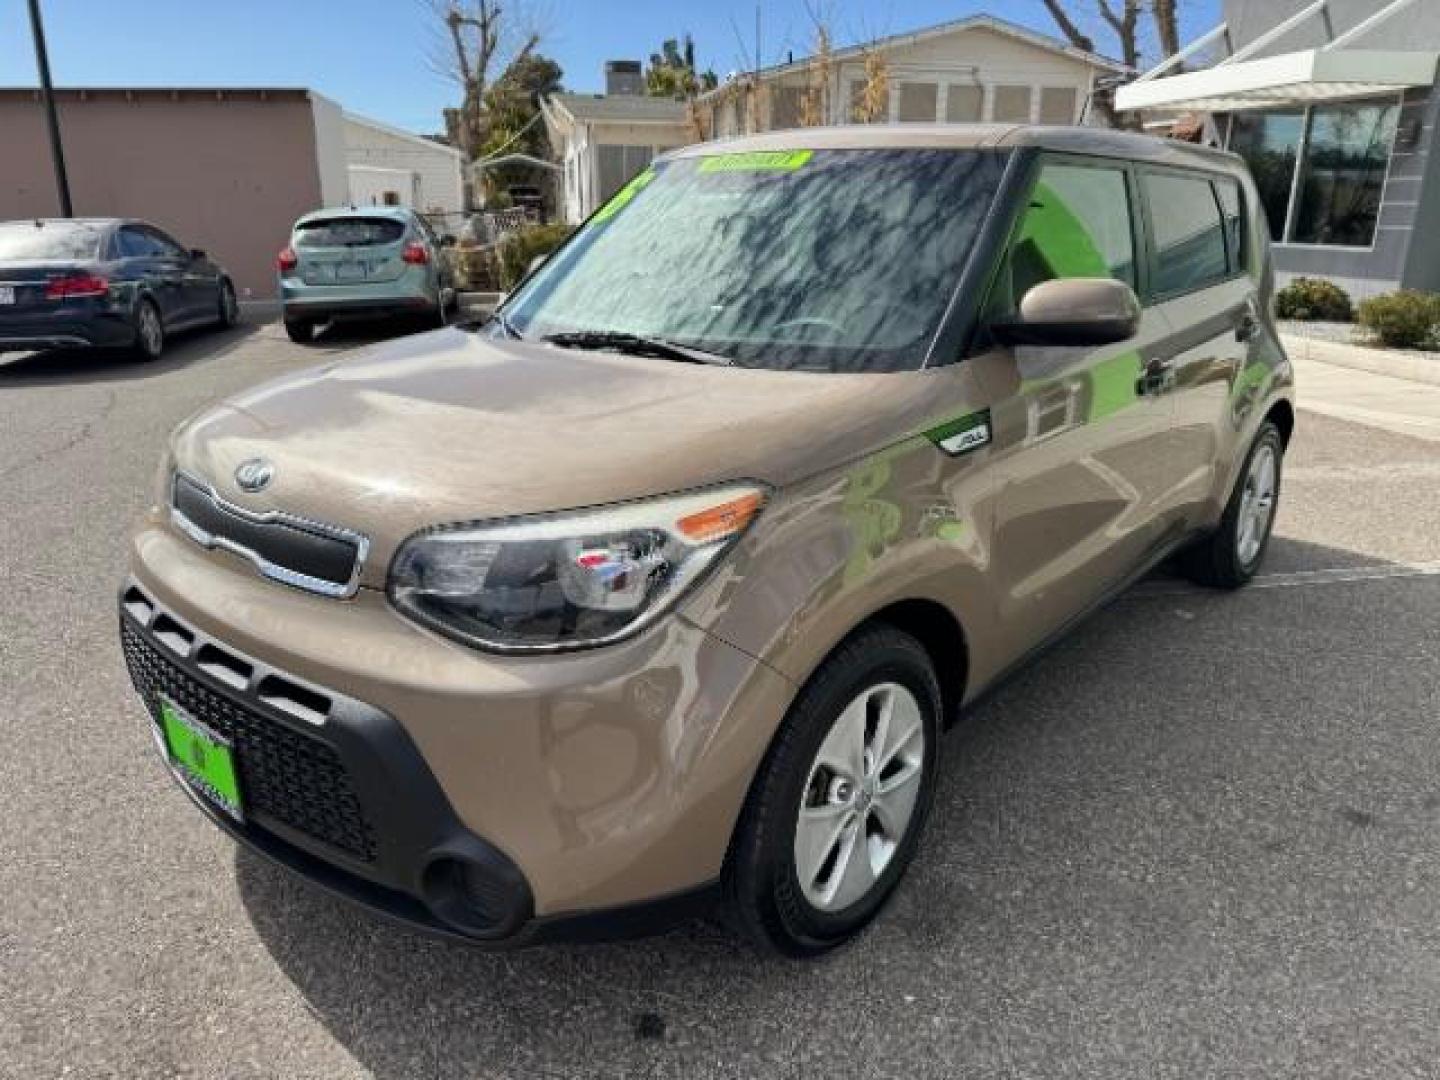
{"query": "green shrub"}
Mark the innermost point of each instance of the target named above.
(475, 268)
(519, 249)
(1313, 299)
(1407, 319)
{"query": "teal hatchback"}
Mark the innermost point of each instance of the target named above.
(363, 263)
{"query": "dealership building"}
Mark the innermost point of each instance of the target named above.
(224, 169)
(1334, 105)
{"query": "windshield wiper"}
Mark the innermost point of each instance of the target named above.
(635, 345)
(507, 327)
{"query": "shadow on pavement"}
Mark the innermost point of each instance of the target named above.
(1118, 836)
(356, 332)
(61, 367)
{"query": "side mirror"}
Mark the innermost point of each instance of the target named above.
(197, 253)
(535, 264)
(1073, 311)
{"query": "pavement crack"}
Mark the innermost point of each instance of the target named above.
(86, 430)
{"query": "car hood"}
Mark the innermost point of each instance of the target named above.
(453, 426)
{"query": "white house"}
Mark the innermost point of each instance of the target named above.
(388, 166)
(979, 68)
(602, 140)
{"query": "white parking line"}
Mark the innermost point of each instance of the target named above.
(1291, 579)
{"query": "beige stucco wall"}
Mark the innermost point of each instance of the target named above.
(228, 172)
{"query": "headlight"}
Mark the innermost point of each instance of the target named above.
(569, 580)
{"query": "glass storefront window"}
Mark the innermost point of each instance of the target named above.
(1337, 186)
(1343, 174)
(1269, 142)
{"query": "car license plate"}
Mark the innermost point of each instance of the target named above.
(7, 294)
(350, 271)
(203, 757)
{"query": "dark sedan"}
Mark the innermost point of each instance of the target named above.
(104, 283)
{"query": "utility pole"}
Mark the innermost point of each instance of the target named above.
(47, 93)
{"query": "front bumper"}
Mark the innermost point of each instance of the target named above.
(569, 796)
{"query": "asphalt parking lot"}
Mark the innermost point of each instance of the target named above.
(1199, 839)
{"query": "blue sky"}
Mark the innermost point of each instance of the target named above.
(372, 55)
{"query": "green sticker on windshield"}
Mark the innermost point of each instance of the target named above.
(622, 197)
(757, 161)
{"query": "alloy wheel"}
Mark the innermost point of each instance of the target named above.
(860, 797)
(1257, 504)
(151, 335)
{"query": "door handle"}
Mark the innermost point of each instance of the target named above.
(1247, 327)
(1157, 376)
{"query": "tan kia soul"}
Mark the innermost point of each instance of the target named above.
(653, 594)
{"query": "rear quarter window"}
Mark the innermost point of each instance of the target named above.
(1190, 250)
(348, 232)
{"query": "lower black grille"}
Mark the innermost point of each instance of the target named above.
(297, 781)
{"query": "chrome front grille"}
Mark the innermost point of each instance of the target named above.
(309, 555)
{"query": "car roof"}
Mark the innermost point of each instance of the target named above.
(907, 136)
(94, 222)
(395, 213)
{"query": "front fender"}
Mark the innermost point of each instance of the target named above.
(830, 552)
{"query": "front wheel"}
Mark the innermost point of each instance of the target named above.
(1229, 557)
(835, 813)
(228, 313)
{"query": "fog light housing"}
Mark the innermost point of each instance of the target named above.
(486, 899)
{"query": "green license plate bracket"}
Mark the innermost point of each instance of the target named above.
(203, 757)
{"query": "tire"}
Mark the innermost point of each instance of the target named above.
(300, 331)
(229, 307)
(149, 332)
(803, 911)
(1229, 557)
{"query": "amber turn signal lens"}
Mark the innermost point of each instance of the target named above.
(721, 521)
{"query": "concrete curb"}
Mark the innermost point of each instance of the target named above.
(472, 304)
(1397, 365)
(260, 310)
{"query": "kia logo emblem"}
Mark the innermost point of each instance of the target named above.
(254, 475)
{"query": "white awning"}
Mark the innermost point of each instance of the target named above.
(1299, 78)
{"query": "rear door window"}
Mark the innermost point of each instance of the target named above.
(1077, 224)
(1188, 232)
(348, 232)
(133, 243)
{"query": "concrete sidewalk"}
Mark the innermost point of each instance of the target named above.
(1317, 341)
(1401, 405)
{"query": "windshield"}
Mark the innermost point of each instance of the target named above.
(49, 240)
(824, 260)
(348, 232)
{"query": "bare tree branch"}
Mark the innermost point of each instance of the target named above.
(1167, 25)
(479, 40)
(1068, 27)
